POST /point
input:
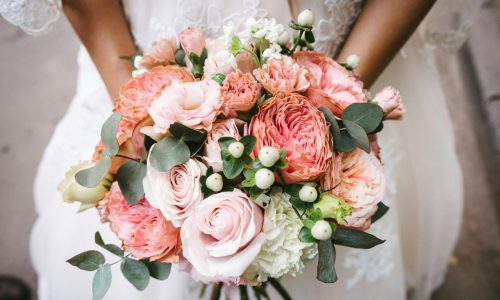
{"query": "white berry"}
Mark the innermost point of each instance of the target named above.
(321, 230)
(284, 38)
(306, 18)
(137, 61)
(236, 149)
(268, 156)
(353, 61)
(264, 178)
(308, 194)
(215, 182)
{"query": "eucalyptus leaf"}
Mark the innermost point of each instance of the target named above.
(180, 55)
(130, 177)
(89, 260)
(381, 211)
(181, 131)
(358, 134)
(136, 273)
(326, 262)
(108, 133)
(168, 153)
(355, 238)
(367, 115)
(334, 128)
(346, 142)
(110, 247)
(101, 282)
(157, 269)
(305, 235)
(92, 176)
(249, 142)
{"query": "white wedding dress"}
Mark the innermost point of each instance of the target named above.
(424, 179)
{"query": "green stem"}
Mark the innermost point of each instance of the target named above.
(254, 57)
(280, 289)
(243, 292)
(217, 287)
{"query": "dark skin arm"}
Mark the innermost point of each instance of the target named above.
(102, 27)
(379, 33)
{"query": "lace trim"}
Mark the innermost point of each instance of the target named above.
(32, 16)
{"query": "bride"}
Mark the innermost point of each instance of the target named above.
(426, 194)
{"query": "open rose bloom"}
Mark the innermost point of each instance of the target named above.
(239, 158)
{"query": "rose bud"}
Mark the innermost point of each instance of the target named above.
(308, 194)
(236, 149)
(264, 178)
(321, 230)
(353, 61)
(333, 207)
(215, 182)
(268, 156)
(306, 18)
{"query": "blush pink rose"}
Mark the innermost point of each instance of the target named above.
(332, 85)
(223, 236)
(194, 104)
(142, 228)
(292, 123)
(360, 182)
(192, 41)
(390, 101)
(245, 62)
(220, 128)
(162, 54)
(282, 75)
(175, 193)
(240, 92)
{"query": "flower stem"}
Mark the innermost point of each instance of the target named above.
(217, 287)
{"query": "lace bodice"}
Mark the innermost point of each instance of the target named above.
(33, 16)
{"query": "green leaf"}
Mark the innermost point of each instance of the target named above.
(157, 269)
(249, 142)
(326, 262)
(334, 129)
(91, 177)
(282, 153)
(130, 177)
(187, 134)
(232, 167)
(355, 238)
(180, 55)
(254, 192)
(89, 260)
(381, 211)
(305, 235)
(108, 133)
(219, 78)
(309, 36)
(295, 201)
(367, 115)
(225, 141)
(346, 143)
(316, 215)
(101, 282)
(136, 273)
(236, 45)
(168, 153)
(358, 134)
(148, 143)
(308, 223)
(110, 247)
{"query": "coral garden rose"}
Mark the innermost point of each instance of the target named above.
(283, 75)
(224, 235)
(390, 101)
(162, 54)
(220, 128)
(360, 183)
(142, 228)
(192, 41)
(175, 193)
(239, 92)
(292, 123)
(194, 104)
(332, 85)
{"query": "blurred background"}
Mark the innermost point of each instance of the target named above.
(37, 83)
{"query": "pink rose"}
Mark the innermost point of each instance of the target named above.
(162, 54)
(360, 182)
(194, 104)
(192, 41)
(239, 92)
(282, 75)
(223, 236)
(220, 128)
(142, 228)
(332, 85)
(245, 62)
(175, 193)
(390, 101)
(292, 123)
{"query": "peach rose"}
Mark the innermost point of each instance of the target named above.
(282, 75)
(239, 92)
(220, 128)
(223, 236)
(390, 101)
(175, 193)
(162, 54)
(194, 104)
(192, 41)
(360, 183)
(142, 228)
(332, 85)
(292, 123)
(245, 62)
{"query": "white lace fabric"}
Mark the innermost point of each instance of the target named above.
(33, 16)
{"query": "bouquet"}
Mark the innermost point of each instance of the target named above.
(239, 158)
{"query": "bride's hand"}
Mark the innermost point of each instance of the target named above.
(380, 31)
(103, 29)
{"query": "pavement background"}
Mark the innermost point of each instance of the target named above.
(37, 82)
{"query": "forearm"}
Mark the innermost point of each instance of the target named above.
(103, 29)
(380, 31)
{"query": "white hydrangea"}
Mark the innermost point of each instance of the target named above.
(268, 29)
(283, 252)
